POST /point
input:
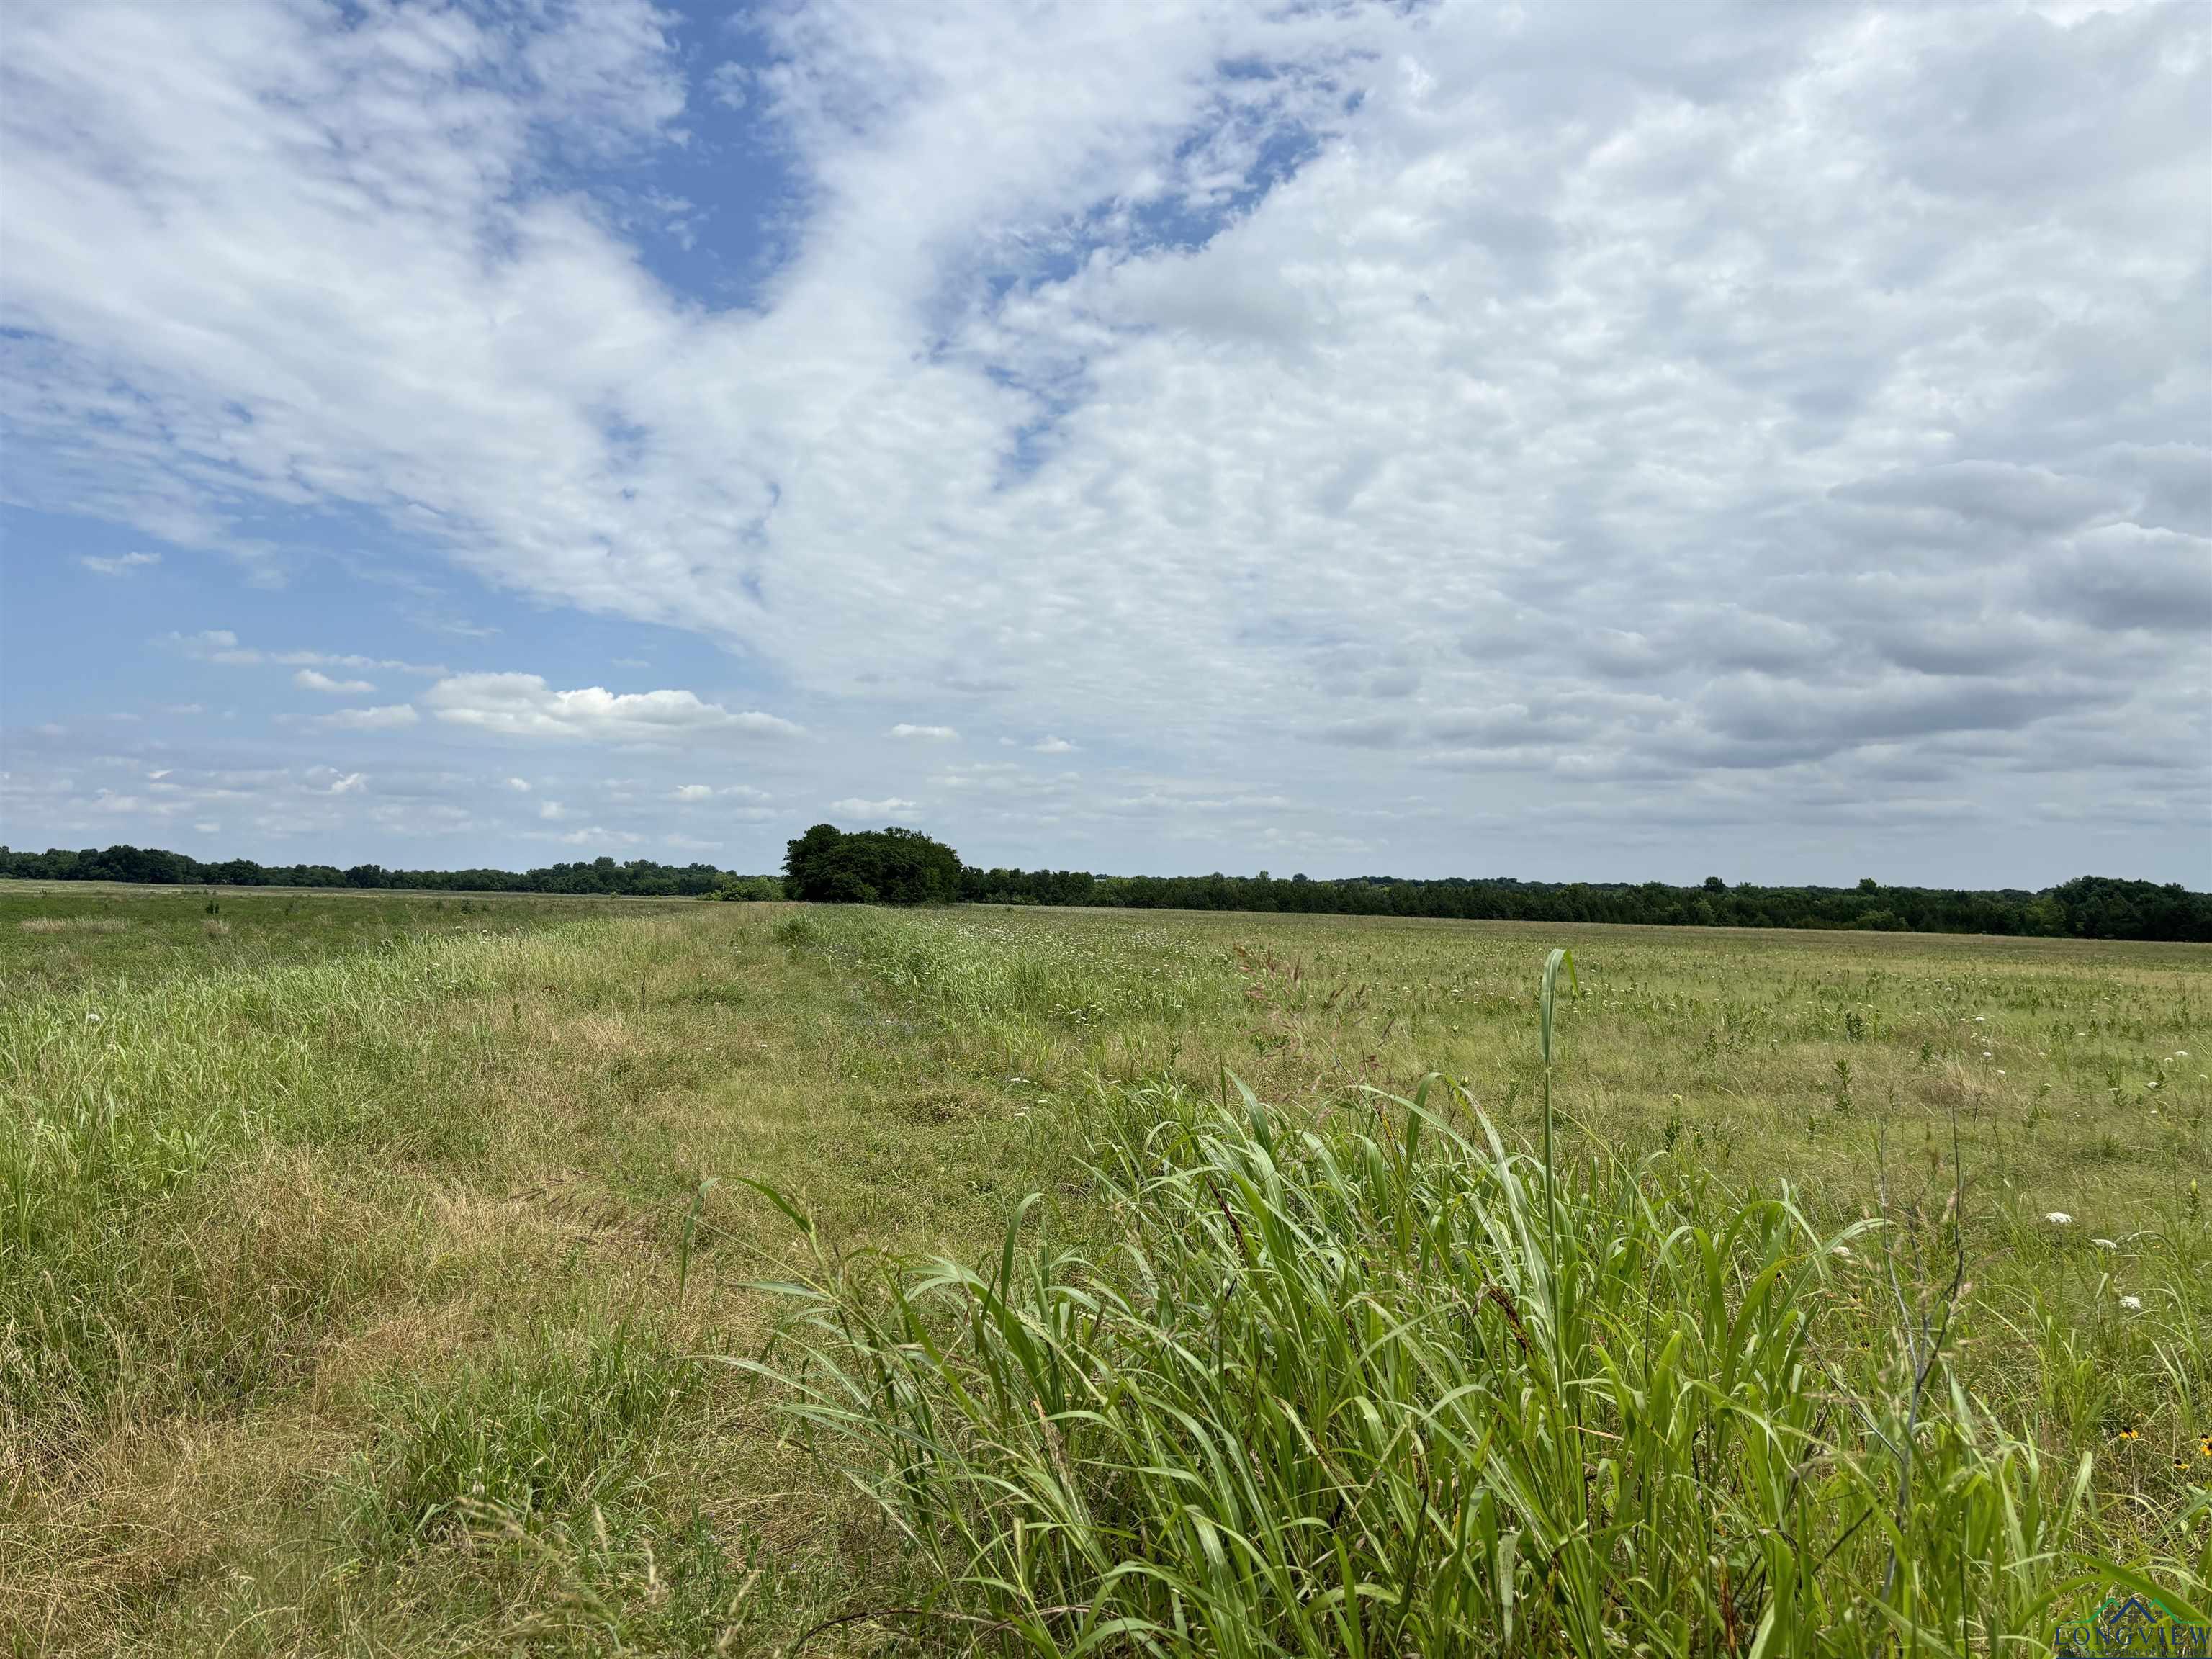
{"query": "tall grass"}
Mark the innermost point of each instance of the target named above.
(1379, 1384)
(135, 1273)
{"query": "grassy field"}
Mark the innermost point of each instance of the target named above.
(369, 1263)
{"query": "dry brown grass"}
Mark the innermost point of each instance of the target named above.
(73, 925)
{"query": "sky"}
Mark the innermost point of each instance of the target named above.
(1565, 442)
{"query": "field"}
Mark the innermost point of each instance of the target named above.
(380, 1273)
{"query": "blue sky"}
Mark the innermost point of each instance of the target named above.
(1558, 442)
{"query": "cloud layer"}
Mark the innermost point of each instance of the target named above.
(1434, 435)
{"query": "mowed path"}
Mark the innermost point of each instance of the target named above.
(281, 1236)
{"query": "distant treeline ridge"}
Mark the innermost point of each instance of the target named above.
(2089, 907)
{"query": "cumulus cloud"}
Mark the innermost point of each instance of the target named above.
(308, 679)
(924, 733)
(524, 706)
(890, 807)
(391, 717)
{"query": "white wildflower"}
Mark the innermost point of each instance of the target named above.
(1985, 1054)
(2132, 1304)
(2105, 1243)
(2000, 1071)
(1841, 1252)
(2058, 1218)
(92, 1019)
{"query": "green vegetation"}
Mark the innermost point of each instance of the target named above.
(831, 865)
(153, 866)
(380, 1277)
(900, 866)
(2089, 907)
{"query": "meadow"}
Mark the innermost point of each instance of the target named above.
(389, 1274)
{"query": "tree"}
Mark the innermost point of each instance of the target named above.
(828, 865)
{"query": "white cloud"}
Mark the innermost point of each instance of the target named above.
(221, 645)
(523, 705)
(308, 679)
(351, 783)
(520, 785)
(891, 807)
(389, 718)
(552, 810)
(599, 835)
(1053, 746)
(727, 85)
(924, 733)
(117, 565)
(1756, 401)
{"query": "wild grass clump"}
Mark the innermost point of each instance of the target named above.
(130, 1279)
(553, 1428)
(1380, 1385)
(72, 925)
(986, 972)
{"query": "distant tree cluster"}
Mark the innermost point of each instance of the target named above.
(901, 867)
(639, 877)
(830, 866)
(2089, 907)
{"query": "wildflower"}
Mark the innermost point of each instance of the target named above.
(2104, 1243)
(1841, 1252)
(1985, 1054)
(2000, 1071)
(2125, 1434)
(2132, 1304)
(2204, 1444)
(2058, 1218)
(2181, 1053)
(92, 1019)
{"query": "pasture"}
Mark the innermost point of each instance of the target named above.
(379, 1275)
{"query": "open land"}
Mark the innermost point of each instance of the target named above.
(372, 1266)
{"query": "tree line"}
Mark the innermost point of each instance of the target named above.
(903, 866)
(2089, 907)
(638, 877)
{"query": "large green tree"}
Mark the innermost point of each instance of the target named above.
(830, 866)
